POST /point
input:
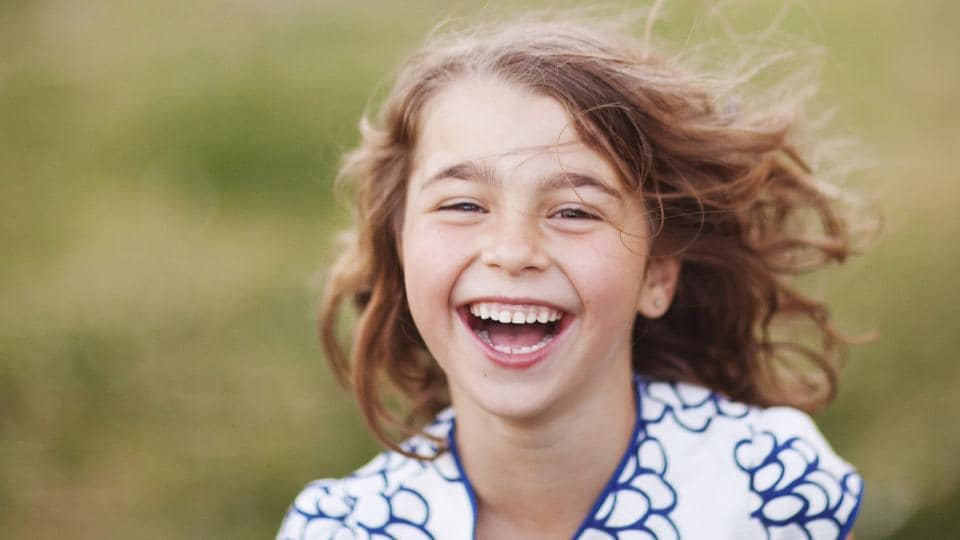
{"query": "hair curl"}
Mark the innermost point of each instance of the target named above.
(727, 190)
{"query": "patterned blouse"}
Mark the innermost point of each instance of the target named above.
(699, 466)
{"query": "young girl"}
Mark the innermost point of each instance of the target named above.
(573, 257)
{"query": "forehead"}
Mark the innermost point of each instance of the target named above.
(485, 119)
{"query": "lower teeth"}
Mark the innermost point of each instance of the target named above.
(506, 349)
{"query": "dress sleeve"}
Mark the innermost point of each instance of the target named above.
(804, 488)
(316, 513)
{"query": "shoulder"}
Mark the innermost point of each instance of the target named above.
(393, 495)
(796, 474)
(789, 479)
(366, 500)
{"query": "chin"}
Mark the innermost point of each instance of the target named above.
(510, 401)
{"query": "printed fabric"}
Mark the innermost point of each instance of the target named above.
(699, 466)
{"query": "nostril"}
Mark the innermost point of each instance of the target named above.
(516, 253)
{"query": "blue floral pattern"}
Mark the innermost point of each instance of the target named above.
(794, 490)
(373, 503)
(330, 513)
(700, 465)
(639, 500)
(692, 407)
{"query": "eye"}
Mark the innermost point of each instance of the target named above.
(575, 213)
(462, 206)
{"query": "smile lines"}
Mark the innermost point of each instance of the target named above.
(514, 314)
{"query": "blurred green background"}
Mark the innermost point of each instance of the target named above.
(165, 206)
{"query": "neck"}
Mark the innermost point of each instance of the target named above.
(540, 477)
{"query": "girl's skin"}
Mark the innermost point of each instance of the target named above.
(505, 205)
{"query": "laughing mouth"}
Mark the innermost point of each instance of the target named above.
(514, 328)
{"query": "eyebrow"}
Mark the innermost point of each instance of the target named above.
(472, 171)
(467, 170)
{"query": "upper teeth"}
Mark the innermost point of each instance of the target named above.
(515, 314)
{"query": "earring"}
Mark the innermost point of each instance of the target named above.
(657, 302)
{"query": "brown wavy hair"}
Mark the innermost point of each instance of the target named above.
(727, 189)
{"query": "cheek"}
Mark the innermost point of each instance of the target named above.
(433, 259)
(608, 278)
(417, 270)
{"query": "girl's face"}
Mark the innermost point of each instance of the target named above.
(525, 263)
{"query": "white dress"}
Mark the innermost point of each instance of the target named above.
(700, 466)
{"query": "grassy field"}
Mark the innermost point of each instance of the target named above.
(165, 213)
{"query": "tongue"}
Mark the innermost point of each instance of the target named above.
(516, 335)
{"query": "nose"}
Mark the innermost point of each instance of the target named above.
(514, 244)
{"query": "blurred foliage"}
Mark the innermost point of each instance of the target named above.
(165, 175)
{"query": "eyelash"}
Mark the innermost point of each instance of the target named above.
(563, 213)
(577, 213)
(463, 206)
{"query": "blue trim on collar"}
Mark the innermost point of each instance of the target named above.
(452, 446)
(627, 452)
(608, 487)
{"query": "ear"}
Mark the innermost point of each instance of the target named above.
(659, 285)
